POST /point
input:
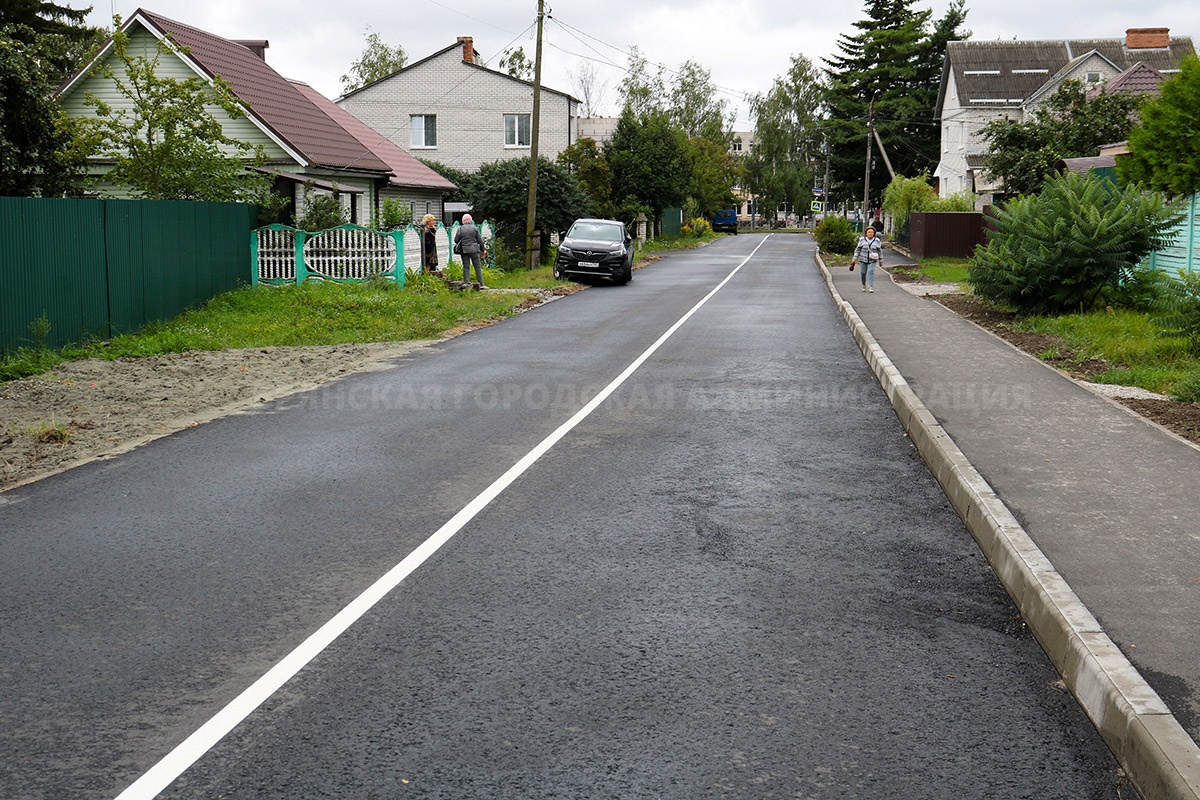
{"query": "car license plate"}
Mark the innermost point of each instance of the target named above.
(589, 264)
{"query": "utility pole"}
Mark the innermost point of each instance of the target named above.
(867, 175)
(532, 254)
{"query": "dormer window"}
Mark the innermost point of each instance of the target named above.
(1093, 77)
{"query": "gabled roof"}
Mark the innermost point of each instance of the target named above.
(1140, 79)
(273, 103)
(456, 46)
(406, 170)
(1006, 73)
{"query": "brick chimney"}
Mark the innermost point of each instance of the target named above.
(1147, 38)
(256, 46)
(468, 49)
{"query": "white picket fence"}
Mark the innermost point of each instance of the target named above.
(346, 253)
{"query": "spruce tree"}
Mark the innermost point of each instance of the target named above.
(896, 59)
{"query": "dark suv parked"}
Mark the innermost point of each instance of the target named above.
(596, 247)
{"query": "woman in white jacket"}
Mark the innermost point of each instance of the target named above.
(868, 255)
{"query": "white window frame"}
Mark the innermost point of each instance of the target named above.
(420, 131)
(513, 130)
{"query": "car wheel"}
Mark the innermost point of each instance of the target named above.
(558, 273)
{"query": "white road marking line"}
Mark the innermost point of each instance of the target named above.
(191, 749)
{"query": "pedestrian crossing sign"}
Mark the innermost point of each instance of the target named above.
(816, 206)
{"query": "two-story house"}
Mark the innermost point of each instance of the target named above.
(451, 109)
(984, 81)
(308, 141)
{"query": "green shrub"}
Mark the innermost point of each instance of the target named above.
(1178, 306)
(392, 216)
(321, 211)
(835, 235)
(963, 201)
(1056, 251)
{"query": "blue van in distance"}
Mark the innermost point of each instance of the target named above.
(725, 221)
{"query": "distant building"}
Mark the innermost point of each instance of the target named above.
(984, 81)
(452, 109)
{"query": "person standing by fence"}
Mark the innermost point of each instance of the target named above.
(468, 243)
(429, 259)
(868, 255)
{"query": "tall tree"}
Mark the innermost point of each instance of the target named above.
(1163, 153)
(517, 64)
(893, 60)
(57, 32)
(1023, 154)
(36, 153)
(639, 90)
(585, 160)
(586, 82)
(695, 108)
(714, 173)
(378, 60)
(649, 161)
(161, 138)
(788, 138)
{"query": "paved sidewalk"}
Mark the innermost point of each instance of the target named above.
(1111, 502)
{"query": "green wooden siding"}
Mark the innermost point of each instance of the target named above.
(1184, 251)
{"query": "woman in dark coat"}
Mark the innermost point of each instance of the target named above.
(429, 260)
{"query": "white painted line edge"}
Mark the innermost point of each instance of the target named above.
(204, 738)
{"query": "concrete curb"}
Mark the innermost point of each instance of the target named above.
(1157, 754)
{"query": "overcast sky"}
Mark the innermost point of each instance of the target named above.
(745, 44)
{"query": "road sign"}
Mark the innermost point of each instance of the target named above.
(817, 206)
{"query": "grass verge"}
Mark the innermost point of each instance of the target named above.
(313, 313)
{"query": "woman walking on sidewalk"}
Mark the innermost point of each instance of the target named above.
(868, 255)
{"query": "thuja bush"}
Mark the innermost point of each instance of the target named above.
(835, 235)
(1056, 251)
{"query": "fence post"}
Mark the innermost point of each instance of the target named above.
(301, 270)
(254, 258)
(399, 270)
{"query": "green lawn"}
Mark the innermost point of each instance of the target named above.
(313, 313)
(316, 313)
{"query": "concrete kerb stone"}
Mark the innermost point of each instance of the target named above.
(1158, 755)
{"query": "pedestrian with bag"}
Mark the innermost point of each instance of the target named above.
(468, 243)
(868, 254)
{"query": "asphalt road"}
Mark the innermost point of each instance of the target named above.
(727, 576)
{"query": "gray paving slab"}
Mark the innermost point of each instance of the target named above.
(1111, 501)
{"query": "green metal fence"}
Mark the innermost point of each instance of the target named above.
(98, 268)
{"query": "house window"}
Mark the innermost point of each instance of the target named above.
(737, 145)
(517, 131)
(1093, 77)
(424, 130)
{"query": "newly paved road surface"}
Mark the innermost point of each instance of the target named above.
(732, 578)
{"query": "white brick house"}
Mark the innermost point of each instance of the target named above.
(983, 81)
(451, 109)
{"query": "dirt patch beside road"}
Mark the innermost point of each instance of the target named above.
(86, 409)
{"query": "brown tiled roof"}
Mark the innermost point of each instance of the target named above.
(1005, 73)
(273, 100)
(1138, 80)
(407, 170)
